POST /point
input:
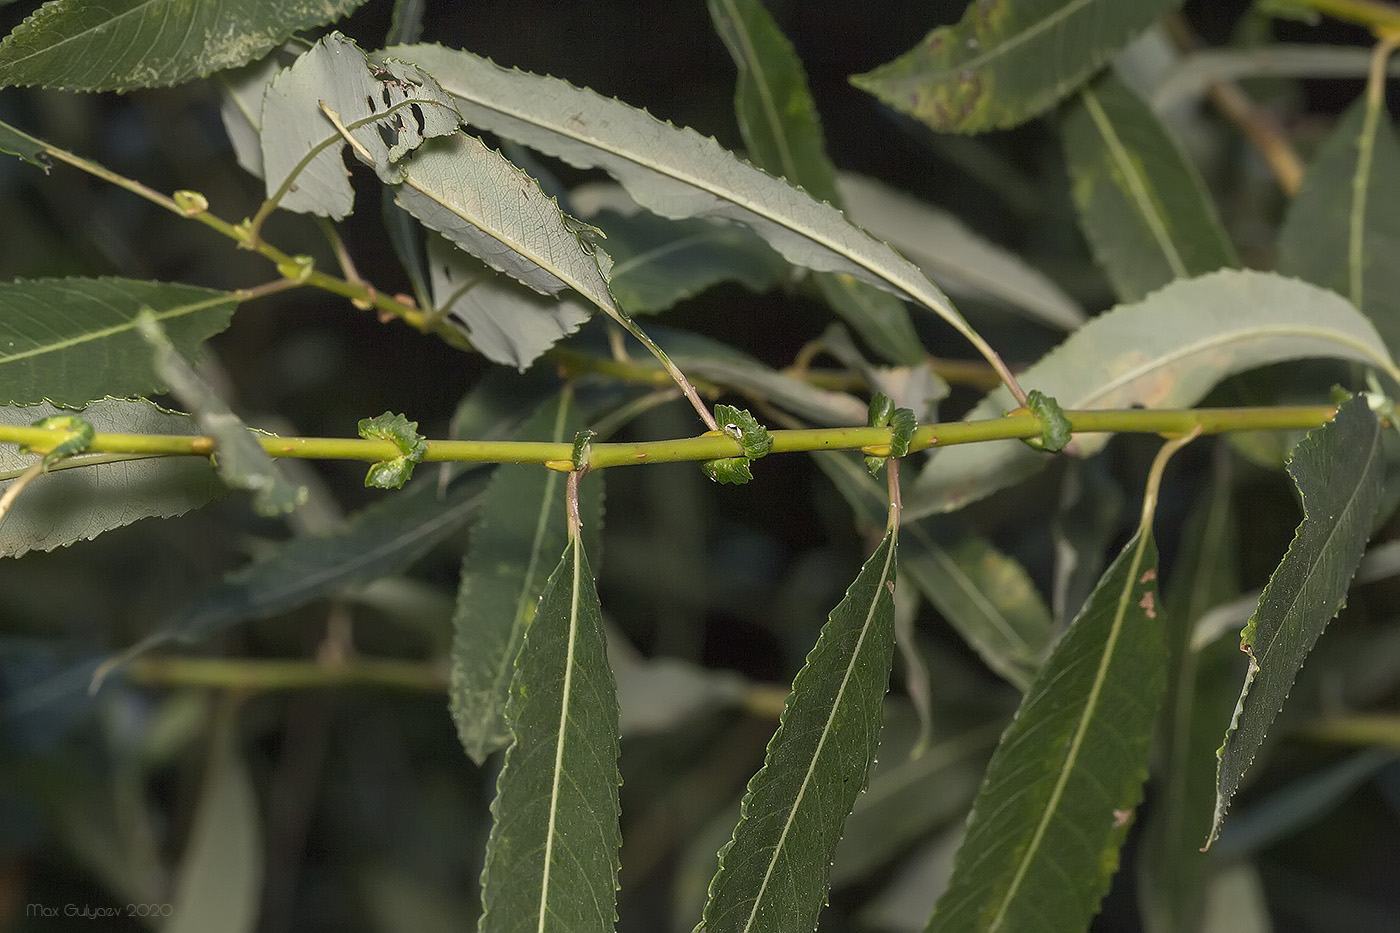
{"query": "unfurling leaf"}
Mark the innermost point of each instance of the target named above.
(552, 858)
(1007, 60)
(392, 474)
(1055, 432)
(773, 875)
(1059, 794)
(1339, 469)
(385, 111)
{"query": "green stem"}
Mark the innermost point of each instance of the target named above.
(1373, 14)
(707, 447)
(265, 676)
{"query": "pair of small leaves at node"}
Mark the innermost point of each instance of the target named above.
(413, 447)
(900, 421)
(1055, 430)
(80, 434)
(753, 437)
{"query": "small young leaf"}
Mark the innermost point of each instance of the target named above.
(551, 860)
(388, 109)
(739, 424)
(881, 410)
(73, 340)
(1338, 233)
(80, 434)
(74, 45)
(1055, 432)
(1005, 62)
(1141, 202)
(731, 471)
(1339, 469)
(241, 461)
(1166, 351)
(773, 874)
(902, 425)
(1059, 794)
(392, 474)
(79, 504)
(521, 524)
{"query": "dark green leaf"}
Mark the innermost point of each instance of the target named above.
(521, 524)
(1060, 791)
(1339, 232)
(659, 262)
(392, 474)
(1007, 60)
(1141, 202)
(985, 595)
(240, 459)
(73, 340)
(389, 110)
(120, 45)
(551, 861)
(71, 505)
(1339, 470)
(739, 424)
(1085, 528)
(1166, 351)
(902, 425)
(377, 541)
(773, 874)
(783, 133)
(731, 471)
(26, 147)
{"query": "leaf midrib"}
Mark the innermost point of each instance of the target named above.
(69, 343)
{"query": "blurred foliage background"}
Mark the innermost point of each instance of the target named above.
(365, 813)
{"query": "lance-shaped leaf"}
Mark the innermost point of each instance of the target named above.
(388, 110)
(1059, 794)
(658, 262)
(773, 874)
(783, 133)
(509, 323)
(1339, 469)
(241, 460)
(1338, 232)
(74, 45)
(1142, 204)
(20, 144)
(951, 253)
(1005, 62)
(521, 526)
(1165, 351)
(73, 340)
(985, 595)
(672, 171)
(71, 505)
(551, 860)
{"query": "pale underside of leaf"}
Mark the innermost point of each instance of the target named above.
(1165, 351)
(773, 874)
(1005, 62)
(672, 171)
(1339, 470)
(78, 504)
(120, 45)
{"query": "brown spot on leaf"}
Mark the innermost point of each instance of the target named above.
(1148, 576)
(1148, 605)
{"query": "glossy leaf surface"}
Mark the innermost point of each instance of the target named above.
(1006, 61)
(69, 341)
(1141, 203)
(120, 45)
(551, 861)
(1339, 469)
(1059, 794)
(1165, 351)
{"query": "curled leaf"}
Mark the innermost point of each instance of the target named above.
(80, 433)
(1055, 431)
(392, 474)
(730, 471)
(739, 424)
